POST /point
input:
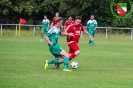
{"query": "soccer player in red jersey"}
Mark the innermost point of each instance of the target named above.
(68, 22)
(53, 20)
(72, 41)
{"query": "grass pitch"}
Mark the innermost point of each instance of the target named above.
(109, 64)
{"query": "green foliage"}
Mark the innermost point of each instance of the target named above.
(35, 9)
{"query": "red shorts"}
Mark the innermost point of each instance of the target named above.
(73, 47)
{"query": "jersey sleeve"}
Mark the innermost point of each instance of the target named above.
(88, 23)
(68, 29)
(50, 32)
(42, 21)
(95, 22)
(48, 21)
(53, 20)
(82, 27)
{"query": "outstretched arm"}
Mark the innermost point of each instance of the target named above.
(88, 34)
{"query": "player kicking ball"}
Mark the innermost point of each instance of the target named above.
(72, 41)
(52, 38)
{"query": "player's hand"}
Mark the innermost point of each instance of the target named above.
(70, 34)
(51, 43)
(94, 28)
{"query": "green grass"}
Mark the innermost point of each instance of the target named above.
(109, 64)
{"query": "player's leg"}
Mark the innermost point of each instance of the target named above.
(66, 60)
(42, 34)
(74, 49)
(61, 58)
(90, 41)
(54, 61)
(93, 34)
(55, 50)
(45, 30)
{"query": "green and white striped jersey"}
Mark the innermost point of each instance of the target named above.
(53, 34)
(92, 24)
(45, 22)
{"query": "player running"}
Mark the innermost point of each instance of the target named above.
(53, 20)
(91, 26)
(72, 41)
(52, 38)
(68, 22)
(45, 26)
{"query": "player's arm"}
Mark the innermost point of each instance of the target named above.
(85, 31)
(52, 23)
(86, 27)
(66, 34)
(95, 25)
(48, 34)
(48, 40)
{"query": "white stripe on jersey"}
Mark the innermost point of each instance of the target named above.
(45, 20)
(54, 30)
(90, 21)
(70, 42)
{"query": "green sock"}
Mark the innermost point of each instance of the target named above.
(89, 41)
(50, 61)
(93, 42)
(55, 61)
(42, 37)
(66, 60)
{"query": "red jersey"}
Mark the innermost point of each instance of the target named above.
(76, 30)
(68, 22)
(53, 21)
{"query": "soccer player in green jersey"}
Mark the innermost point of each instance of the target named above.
(45, 26)
(91, 26)
(52, 38)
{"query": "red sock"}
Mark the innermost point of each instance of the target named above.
(72, 56)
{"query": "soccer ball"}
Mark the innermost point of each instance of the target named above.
(74, 64)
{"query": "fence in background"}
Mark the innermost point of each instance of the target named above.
(34, 29)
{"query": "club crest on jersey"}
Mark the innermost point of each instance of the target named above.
(77, 32)
(121, 9)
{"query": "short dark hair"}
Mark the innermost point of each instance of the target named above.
(70, 16)
(92, 15)
(78, 17)
(58, 19)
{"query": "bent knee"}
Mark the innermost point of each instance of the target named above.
(77, 52)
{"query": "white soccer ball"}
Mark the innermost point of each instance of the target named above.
(74, 64)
